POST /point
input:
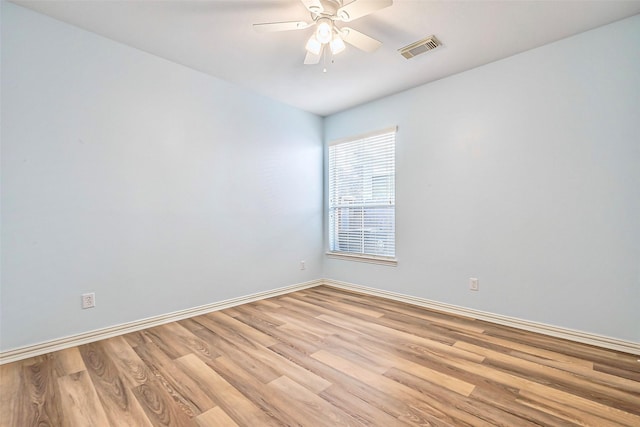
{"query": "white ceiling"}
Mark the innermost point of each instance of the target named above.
(217, 38)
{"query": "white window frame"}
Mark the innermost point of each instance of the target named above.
(333, 206)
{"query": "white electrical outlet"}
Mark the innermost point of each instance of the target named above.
(303, 265)
(473, 284)
(89, 300)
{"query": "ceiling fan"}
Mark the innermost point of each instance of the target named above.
(324, 16)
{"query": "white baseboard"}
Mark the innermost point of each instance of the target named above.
(125, 328)
(554, 331)
(100, 334)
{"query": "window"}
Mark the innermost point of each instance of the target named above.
(362, 196)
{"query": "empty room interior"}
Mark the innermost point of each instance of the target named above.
(320, 213)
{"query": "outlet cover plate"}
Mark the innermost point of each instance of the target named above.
(88, 300)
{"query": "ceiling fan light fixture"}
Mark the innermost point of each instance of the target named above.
(336, 45)
(324, 30)
(326, 16)
(313, 45)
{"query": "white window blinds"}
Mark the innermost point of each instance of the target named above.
(362, 194)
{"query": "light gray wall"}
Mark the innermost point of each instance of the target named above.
(161, 188)
(153, 185)
(524, 173)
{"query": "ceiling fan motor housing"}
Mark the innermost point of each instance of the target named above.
(328, 10)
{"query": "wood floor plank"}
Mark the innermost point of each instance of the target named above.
(257, 315)
(40, 403)
(132, 369)
(397, 389)
(270, 303)
(295, 302)
(314, 327)
(281, 407)
(136, 338)
(295, 338)
(158, 406)
(68, 361)
(569, 414)
(380, 357)
(582, 405)
(324, 357)
(184, 338)
(627, 400)
(117, 400)
(618, 372)
(215, 417)
(571, 400)
(393, 309)
(512, 403)
(444, 399)
(438, 327)
(526, 350)
(350, 386)
(237, 350)
(163, 339)
(239, 329)
(359, 409)
(344, 307)
(80, 401)
(455, 367)
(184, 391)
(12, 395)
(386, 333)
(582, 351)
(235, 404)
(309, 406)
(189, 324)
(278, 366)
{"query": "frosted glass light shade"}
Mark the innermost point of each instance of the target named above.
(324, 31)
(313, 45)
(336, 45)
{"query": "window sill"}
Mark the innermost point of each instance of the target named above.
(372, 259)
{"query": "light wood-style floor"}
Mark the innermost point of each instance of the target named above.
(324, 357)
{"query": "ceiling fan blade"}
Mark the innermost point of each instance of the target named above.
(281, 26)
(313, 6)
(312, 58)
(359, 40)
(360, 8)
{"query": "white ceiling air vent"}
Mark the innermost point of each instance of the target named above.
(419, 47)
